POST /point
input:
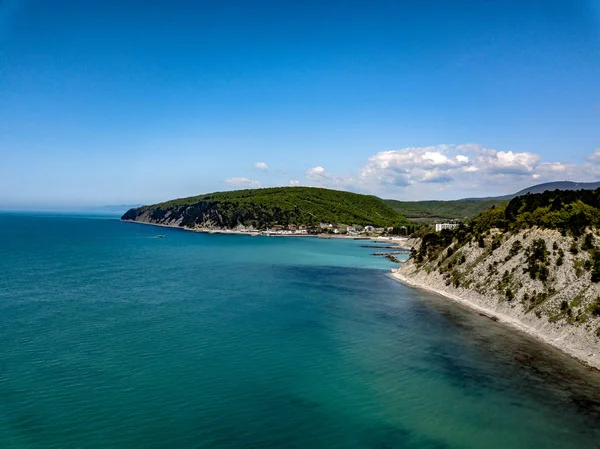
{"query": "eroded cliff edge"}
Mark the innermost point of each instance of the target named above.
(544, 281)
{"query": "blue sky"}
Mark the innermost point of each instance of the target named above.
(119, 102)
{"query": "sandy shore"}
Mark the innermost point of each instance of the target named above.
(586, 354)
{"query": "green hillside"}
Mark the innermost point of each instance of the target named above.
(568, 211)
(457, 209)
(266, 207)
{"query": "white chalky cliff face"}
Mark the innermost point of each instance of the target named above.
(536, 280)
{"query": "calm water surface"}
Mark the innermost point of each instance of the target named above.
(110, 338)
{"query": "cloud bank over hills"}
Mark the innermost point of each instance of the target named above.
(426, 171)
(440, 171)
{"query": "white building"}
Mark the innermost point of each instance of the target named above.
(440, 226)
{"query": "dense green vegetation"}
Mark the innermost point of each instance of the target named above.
(262, 208)
(457, 209)
(537, 259)
(570, 212)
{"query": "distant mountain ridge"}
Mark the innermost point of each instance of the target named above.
(471, 207)
(541, 188)
(558, 185)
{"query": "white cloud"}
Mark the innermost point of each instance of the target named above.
(316, 170)
(242, 183)
(294, 182)
(261, 166)
(471, 170)
(317, 173)
(553, 167)
(412, 165)
(323, 178)
(501, 162)
(594, 158)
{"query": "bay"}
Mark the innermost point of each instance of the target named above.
(111, 337)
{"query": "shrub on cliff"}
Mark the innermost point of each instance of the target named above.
(514, 250)
(561, 257)
(536, 258)
(481, 242)
(596, 267)
(588, 243)
(595, 309)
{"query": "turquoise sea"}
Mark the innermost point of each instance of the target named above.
(111, 338)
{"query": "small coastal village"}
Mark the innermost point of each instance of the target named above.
(329, 230)
(338, 229)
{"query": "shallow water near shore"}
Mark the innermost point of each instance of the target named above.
(111, 337)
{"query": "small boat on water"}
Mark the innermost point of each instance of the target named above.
(160, 236)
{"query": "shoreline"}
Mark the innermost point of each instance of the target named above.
(394, 240)
(578, 355)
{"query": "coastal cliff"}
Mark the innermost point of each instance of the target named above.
(261, 208)
(534, 264)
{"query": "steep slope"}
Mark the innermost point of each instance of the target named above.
(534, 263)
(261, 208)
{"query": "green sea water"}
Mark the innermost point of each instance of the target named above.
(111, 338)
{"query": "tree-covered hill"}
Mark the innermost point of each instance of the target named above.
(262, 208)
(455, 209)
(569, 211)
